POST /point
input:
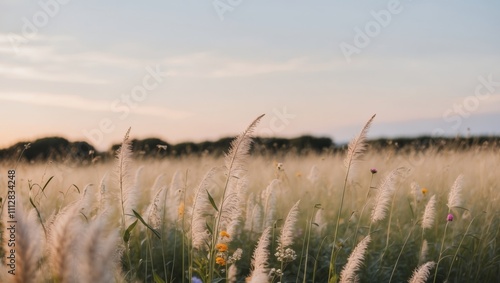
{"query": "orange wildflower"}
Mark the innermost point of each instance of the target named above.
(224, 234)
(221, 247)
(220, 261)
(181, 210)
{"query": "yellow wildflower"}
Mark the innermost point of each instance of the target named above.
(424, 191)
(221, 247)
(181, 210)
(220, 261)
(224, 234)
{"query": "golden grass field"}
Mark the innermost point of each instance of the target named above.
(284, 218)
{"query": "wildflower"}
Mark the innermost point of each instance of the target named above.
(424, 191)
(373, 170)
(236, 256)
(275, 272)
(196, 280)
(286, 255)
(279, 166)
(450, 217)
(181, 209)
(224, 234)
(221, 247)
(220, 261)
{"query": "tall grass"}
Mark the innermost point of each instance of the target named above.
(241, 218)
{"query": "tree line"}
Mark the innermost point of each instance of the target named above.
(60, 149)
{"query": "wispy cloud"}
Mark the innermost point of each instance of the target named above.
(90, 105)
(210, 65)
(59, 59)
(11, 44)
(28, 73)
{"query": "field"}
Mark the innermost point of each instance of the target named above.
(359, 215)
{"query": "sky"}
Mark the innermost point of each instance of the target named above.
(201, 70)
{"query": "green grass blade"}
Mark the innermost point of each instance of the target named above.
(157, 234)
(126, 235)
(211, 199)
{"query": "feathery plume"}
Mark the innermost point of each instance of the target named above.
(287, 231)
(126, 182)
(357, 146)
(62, 234)
(319, 219)
(159, 183)
(175, 197)
(429, 213)
(201, 207)
(354, 261)
(229, 213)
(102, 197)
(384, 194)
(466, 215)
(98, 258)
(235, 209)
(239, 149)
(455, 198)
(421, 274)
(87, 202)
(270, 202)
(232, 273)
(250, 203)
(28, 245)
(313, 176)
(415, 191)
(257, 217)
(135, 190)
(424, 251)
(283, 253)
(235, 166)
(154, 210)
(154, 213)
(258, 278)
(260, 258)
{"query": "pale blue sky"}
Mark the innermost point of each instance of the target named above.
(64, 68)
